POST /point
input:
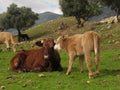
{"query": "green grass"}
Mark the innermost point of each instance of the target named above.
(109, 78)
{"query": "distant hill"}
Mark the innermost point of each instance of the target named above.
(46, 16)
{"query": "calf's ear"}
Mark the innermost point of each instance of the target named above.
(64, 37)
(55, 41)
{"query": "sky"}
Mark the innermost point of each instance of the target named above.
(38, 6)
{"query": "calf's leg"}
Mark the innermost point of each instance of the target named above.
(71, 61)
(14, 48)
(89, 64)
(97, 63)
(7, 45)
(81, 61)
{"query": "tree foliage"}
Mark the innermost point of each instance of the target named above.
(19, 18)
(2, 16)
(113, 4)
(80, 8)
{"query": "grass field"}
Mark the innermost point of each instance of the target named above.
(109, 78)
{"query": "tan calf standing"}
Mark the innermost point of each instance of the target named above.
(81, 45)
(7, 38)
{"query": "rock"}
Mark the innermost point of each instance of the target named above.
(24, 85)
(28, 82)
(87, 82)
(41, 75)
(117, 42)
(11, 77)
(112, 19)
(2, 87)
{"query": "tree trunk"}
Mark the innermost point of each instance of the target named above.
(79, 24)
(118, 11)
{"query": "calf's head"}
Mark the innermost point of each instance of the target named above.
(60, 41)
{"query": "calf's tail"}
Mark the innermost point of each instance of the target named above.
(96, 43)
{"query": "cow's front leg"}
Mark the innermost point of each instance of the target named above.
(48, 68)
(71, 61)
(7, 45)
(37, 69)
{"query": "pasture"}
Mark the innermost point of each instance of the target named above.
(109, 78)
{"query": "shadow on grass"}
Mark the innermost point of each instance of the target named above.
(103, 72)
(113, 72)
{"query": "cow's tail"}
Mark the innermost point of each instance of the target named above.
(96, 43)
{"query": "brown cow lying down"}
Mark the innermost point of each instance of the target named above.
(81, 45)
(43, 59)
(7, 38)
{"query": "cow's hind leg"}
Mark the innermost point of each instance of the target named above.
(71, 61)
(97, 63)
(89, 63)
(81, 61)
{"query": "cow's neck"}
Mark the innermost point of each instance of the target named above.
(48, 51)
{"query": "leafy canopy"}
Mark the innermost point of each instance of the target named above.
(80, 8)
(19, 17)
(114, 5)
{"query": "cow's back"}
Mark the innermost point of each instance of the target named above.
(89, 40)
(80, 42)
(74, 44)
(34, 58)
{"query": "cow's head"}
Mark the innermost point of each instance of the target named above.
(48, 45)
(46, 42)
(60, 42)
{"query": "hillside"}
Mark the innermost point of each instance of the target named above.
(46, 16)
(109, 32)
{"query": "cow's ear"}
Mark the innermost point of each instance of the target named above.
(39, 43)
(64, 37)
(43, 40)
(55, 41)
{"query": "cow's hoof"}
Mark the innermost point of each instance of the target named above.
(97, 74)
(67, 73)
(81, 71)
(91, 76)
